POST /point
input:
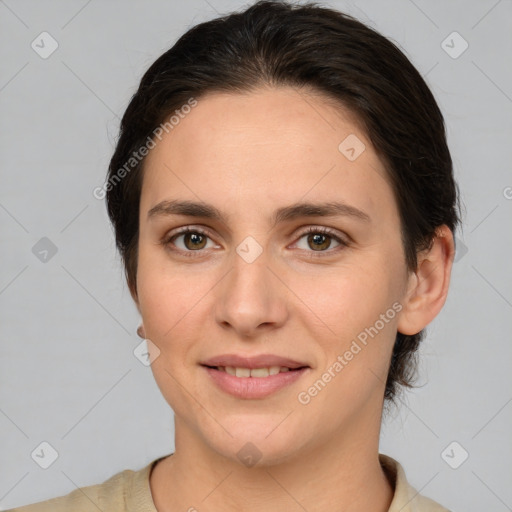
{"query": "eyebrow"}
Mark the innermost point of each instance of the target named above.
(286, 213)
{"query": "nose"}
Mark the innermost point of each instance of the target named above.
(251, 299)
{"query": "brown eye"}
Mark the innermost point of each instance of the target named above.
(319, 241)
(194, 240)
(188, 241)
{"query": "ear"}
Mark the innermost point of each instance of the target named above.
(428, 287)
(141, 332)
(133, 292)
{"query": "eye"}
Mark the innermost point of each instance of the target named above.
(319, 239)
(193, 240)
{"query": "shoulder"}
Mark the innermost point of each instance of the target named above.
(406, 497)
(125, 491)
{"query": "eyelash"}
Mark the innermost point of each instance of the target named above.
(167, 241)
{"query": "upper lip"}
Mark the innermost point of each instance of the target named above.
(259, 361)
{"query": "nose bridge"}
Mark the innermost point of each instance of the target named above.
(251, 295)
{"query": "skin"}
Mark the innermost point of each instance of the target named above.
(248, 155)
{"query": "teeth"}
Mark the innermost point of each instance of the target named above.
(255, 372)
(242, 372)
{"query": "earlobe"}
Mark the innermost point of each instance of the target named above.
(428, 286)
(141, 332)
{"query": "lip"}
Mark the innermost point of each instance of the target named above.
(253, 387)
(259, 361)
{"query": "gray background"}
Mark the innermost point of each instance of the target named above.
(68, 375)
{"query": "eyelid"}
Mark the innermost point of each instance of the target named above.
(344, 241)
(167, 239)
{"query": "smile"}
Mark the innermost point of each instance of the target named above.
(253, 372)
(253, 383)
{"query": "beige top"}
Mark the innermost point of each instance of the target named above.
(129, 491)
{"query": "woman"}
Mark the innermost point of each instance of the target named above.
(284, 204)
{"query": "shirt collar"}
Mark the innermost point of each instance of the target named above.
(405, 498)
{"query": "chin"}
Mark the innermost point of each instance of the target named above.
(257, 443)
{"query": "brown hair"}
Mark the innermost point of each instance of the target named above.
(305, 46)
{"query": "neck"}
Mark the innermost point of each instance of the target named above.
(342, 474)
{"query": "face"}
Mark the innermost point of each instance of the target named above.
(319, 287)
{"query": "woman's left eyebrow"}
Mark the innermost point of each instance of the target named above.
(286, 213)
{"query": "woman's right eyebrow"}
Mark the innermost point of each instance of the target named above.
(201, 209)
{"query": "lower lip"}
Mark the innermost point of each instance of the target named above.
(253, 387)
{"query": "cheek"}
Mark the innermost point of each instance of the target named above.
(356, 349)
(348, 298)
(170, 307)
(175, 302)
(168, 304)
(163, 293)
(351, 315)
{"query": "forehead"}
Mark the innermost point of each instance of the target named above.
(267, 146)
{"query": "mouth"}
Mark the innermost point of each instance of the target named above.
(254, 383)
(262, 372)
